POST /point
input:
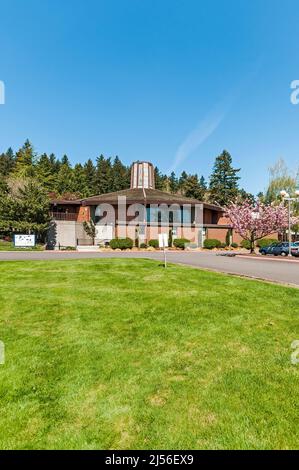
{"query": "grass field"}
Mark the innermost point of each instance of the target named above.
(9, 246)
(123, 354)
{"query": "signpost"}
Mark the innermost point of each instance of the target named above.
(163, 243)
(24, 241)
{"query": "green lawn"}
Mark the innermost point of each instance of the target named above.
(9, 246)
(123, 354)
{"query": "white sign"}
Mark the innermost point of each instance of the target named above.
(24, 240)
(163, 240)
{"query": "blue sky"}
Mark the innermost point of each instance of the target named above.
(173, 82)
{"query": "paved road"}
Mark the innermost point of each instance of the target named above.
(276, 270)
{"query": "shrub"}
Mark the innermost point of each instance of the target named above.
(234, 245)
(245, 244)
(153, 243)
(223, 245)
(143, 245)
(180, 242)
(266, 242)
(121, 243)
(211, 243)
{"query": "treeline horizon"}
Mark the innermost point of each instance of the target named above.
(58, 177)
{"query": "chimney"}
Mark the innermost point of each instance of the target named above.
(142, 175)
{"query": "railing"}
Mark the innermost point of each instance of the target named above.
(64, 215)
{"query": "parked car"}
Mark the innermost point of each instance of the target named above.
(282, 249)
(295, 249)
(267, 250)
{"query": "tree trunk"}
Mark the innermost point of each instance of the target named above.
(252, 245)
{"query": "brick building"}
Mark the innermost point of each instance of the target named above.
(140, 212)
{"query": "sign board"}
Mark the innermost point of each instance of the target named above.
(24, 241)
(163, 240)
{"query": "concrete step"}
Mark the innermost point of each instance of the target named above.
(87, 248)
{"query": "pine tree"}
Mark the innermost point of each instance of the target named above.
(65, 178)
(119, 176)
(7, 162)
(80, 185)
(173, 183)
(182, 182)
(193, 188)
(45, 172)
(224, 180)
(25, 160)
(103, 177)
(90, 174)
(203, 183)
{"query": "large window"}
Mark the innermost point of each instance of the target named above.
(168, 214)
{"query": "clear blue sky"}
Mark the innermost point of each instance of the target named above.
(173, 82)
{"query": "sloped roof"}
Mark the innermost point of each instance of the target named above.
(142, 196)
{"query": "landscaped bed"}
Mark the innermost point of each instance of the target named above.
(126, 354)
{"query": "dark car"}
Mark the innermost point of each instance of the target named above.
(282, 249)
(267, 250)
(295, 249)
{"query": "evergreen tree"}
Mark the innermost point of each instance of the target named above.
(90, 174)
(224, 180)
(80, 185)
(25, 160)
(7, 162)
(34, 205)
(65, 178)
(193, 188)
(173, 183)
(203, 183)
(103, 177)
(182, 182)
(24, 209)
(119, 176)
(45, 172)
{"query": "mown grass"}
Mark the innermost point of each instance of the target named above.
(122, 354)
(9, 246)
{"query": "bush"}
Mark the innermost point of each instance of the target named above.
(154, 243)
(266, 242)
(234, 245)
(143, 245)
(245, 244)
(223, 245)
(121, 243)
(211, 243)
(180, 242)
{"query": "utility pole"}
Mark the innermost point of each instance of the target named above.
(286, 197)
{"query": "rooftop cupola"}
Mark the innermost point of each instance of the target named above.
(142, 175)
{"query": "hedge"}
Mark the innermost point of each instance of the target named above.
(153, 243)
(121, 243)
(245, 244)
(180, 242)
(266, 242)
(211, 243)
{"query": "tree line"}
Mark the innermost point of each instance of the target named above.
(57, 177)
(28, 181)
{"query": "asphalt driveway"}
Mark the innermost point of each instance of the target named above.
(276, 270)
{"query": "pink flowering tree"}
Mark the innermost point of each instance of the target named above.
(254, 222)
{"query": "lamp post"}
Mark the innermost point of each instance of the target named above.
(286, 197)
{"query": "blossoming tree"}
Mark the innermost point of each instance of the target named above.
(254, 222)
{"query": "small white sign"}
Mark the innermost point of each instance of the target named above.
(24, 241)
(163, 240)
